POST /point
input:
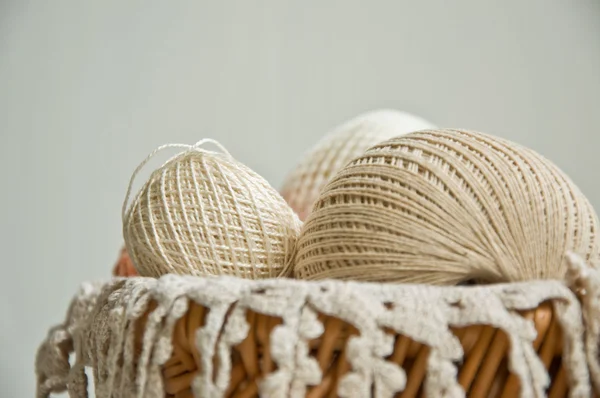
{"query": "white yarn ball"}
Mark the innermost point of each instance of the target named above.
(203, 213)
(302, 186)
(446, 207)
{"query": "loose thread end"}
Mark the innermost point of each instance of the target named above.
(185, 147)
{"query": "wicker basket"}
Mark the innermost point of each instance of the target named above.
(180, 336)
(484, 372)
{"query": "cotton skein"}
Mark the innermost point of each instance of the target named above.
(204, 213)
(444, 207)
(302, 186)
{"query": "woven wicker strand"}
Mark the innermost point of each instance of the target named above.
(184, 336)
(203, 213)
(444, 207)
(124, 267)
(484, 372)
(318, 165)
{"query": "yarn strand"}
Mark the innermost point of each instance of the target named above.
(186, 147)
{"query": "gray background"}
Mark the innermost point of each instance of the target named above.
(88, 89)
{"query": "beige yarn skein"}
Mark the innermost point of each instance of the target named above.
(203, 213)
(444, 207)
(302, 186)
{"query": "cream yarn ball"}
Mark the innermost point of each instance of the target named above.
(302, 186)
(203, 213)
(444, 207)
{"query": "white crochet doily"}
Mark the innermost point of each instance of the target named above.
(100, 325)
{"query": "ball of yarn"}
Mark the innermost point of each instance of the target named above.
(445, 207)
(124, 267)
(302, 186)
(203, 213)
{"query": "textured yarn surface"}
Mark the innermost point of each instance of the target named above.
(317, 166)
(444, 207)
(203, 213)
(102, 322)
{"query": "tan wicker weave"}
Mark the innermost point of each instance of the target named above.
(483, 373)
(187, 336)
